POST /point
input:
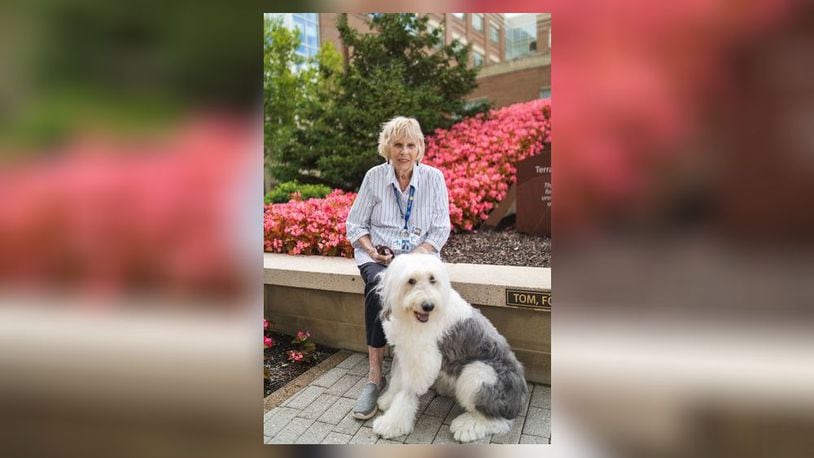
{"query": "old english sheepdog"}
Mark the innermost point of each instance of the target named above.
(440, 339)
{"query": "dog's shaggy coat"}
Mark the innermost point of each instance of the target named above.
(439, 339)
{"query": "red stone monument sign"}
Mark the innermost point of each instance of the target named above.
(529, 198)
(534, 194)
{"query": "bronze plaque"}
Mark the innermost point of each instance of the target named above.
(528, 298)
(534, 194)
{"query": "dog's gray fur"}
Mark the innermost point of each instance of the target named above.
(476, 339)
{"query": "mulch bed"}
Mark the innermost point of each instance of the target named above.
(279, 370)
(500, 246)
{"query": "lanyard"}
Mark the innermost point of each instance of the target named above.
(405, 215)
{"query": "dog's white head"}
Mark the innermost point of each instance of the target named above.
(414, 287)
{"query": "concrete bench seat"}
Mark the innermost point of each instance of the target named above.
(324, 295)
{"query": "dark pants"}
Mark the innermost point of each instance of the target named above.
(373, 325)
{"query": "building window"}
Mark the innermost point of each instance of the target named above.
(477, 22)
(459, 15)
(521, 36)
(308, 25)
(494, 34)
(545, 92)
(549, 38)
(477, 59)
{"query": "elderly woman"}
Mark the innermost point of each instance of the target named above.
(402, 206)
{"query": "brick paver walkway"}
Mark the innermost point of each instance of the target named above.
(321, 414)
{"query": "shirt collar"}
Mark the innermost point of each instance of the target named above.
(414, 180)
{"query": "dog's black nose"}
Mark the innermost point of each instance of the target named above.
(427, 306)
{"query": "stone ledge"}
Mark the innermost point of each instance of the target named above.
(325, 296)
(327, 273)
(479, 284)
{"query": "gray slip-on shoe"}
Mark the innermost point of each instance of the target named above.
(366, 407)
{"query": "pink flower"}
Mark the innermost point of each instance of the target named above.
(268, 342)
(265, 325)
(295, 356)
(302, 335)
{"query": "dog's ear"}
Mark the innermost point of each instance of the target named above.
(386, 311)
(382, 291)
(384, 315)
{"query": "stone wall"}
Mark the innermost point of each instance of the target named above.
(325, 296)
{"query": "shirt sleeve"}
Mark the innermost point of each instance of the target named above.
(438, 233)
(358, 222)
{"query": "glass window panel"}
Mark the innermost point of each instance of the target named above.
(477, 21)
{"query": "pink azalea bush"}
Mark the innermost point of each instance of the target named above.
(313, 226)
(476, 156)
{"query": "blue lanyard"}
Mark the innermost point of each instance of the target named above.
(405, 215)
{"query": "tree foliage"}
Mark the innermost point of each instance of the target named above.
(402, 68)
(295, 89)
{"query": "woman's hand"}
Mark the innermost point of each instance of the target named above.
(381, 255)
(383, 260)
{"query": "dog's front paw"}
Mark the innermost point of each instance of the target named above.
(390, 426)
(466, 428)
(384, 401)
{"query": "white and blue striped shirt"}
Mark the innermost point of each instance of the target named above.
(376, 213)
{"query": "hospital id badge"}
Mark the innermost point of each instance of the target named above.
(401, 245)
(415, 236)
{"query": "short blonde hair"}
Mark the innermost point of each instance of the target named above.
(397, 128)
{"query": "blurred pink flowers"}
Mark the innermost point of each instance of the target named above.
(110, 215)
(268, 342)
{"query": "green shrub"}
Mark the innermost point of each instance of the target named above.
(284, 191)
